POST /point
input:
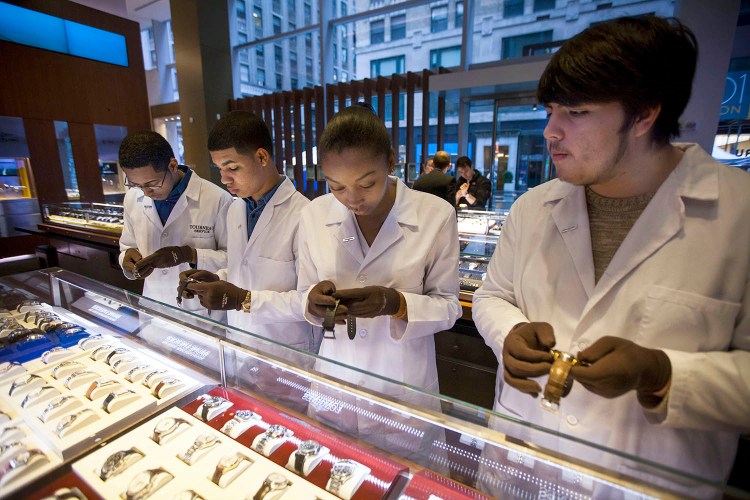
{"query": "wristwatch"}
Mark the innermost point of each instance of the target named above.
(240, 417)
(53, 405)
(275, 483)
(102, 348)
(81, 375)
(7, 366)
(99, 384)
(67, 421)
(146, 483)
(227, 464)
(56, 371)
(118, 462)
(274, 432)
(167, 426)
(341, 472)
(559, 382)
(246, 303)
(122, 362)
(21, 460)
(23, 381)
(210, 403)
(11, 432)
(115, 352)
(147, 378)
(112, 397)
(306, 449)
(202, 442)
(9, 446)
(92, 338)
(47, 356)
(133, 371)
(164, 383)
(329, 322)
(34, 395)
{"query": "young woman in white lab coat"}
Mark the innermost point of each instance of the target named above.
(389, 255)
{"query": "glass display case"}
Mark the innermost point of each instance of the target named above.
(98, 216)
(478, 232)
(122, 396)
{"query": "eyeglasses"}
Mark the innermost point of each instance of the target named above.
(148, 185)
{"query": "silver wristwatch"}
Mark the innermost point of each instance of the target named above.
(118, 462)
(341, 472)
(165, 427)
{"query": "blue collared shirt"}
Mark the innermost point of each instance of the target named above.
(164, 207)
(255, 208)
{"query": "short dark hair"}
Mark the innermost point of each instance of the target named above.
(355, 127)
(464, 161)
(242, 130)
(640, 62)
(145, 148)
(441, 160)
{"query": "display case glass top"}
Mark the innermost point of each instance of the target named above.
(394, 439)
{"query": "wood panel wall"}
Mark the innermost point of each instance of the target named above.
(41, 87)
(296, 119)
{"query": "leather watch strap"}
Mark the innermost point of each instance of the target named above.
(299, 462)
(351, 327)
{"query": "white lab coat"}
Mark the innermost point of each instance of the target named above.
(266, 264)
(198, 220)
(415, 252)
(680, 282)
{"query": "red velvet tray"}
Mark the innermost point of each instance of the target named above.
(426, 483)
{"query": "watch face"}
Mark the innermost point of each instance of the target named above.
(343, 469)
(113, 462)
(213, 401)
(204, 440)
(170, 381)
(309, 448)
(276, 431)
(230, 461)
(277, 481)
(165, 425)
(139, 482)
(244, 415)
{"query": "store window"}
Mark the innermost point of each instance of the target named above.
(512, 8)
(514, 46)
(67, 162)
(445, 58)
(439, 18)
(16, 180)
(398, 27)
(377, 31)
(540, 5)
(108, 139)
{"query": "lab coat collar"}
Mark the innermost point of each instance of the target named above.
(282, 194)
(403, 213)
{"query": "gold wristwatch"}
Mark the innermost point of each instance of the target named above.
(246, 303)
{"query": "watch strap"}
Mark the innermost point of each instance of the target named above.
(299, 462)
(351, 327)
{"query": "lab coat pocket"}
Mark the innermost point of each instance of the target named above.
(675, 319)
(272, 274)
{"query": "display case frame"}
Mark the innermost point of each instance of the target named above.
(100, 217)
(431, 436)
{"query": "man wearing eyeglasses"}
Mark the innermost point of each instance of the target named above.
(174, 220)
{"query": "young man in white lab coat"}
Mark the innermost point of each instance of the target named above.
(258, 286)
(635, 260)
(173, 218)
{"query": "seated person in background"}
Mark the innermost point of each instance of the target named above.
(172, 218)
(473, 188)
(601, 263)
(259, 286)
(437, 182)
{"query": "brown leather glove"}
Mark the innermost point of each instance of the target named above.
(193, 275)
(132, 257)
(321, 298)
(526, 353)
(617, 366)
(218, 295)
(370, 301)
(164, 257)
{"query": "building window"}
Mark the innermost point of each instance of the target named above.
(241, 38)
(276, 24)
(439, 18)
(307, 9)
(244, 73)
(344, 55)
(279, 81)
(513, 46)
(460, 14)
(543, 5)
(398, 27)
(512, 8)
(171, 41)
(343, 9)
(344, 76)
(260, 76)
(148, 48)
(377, 31)
(309, 68)
(293, 63)
(387, 66)
(276, 6)
(240, 6)
(308, 44)
(173, 79)
(260, 56)
(278, 55)
(258, 21)
(335, 75)
(446, 58)
(335, 54)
